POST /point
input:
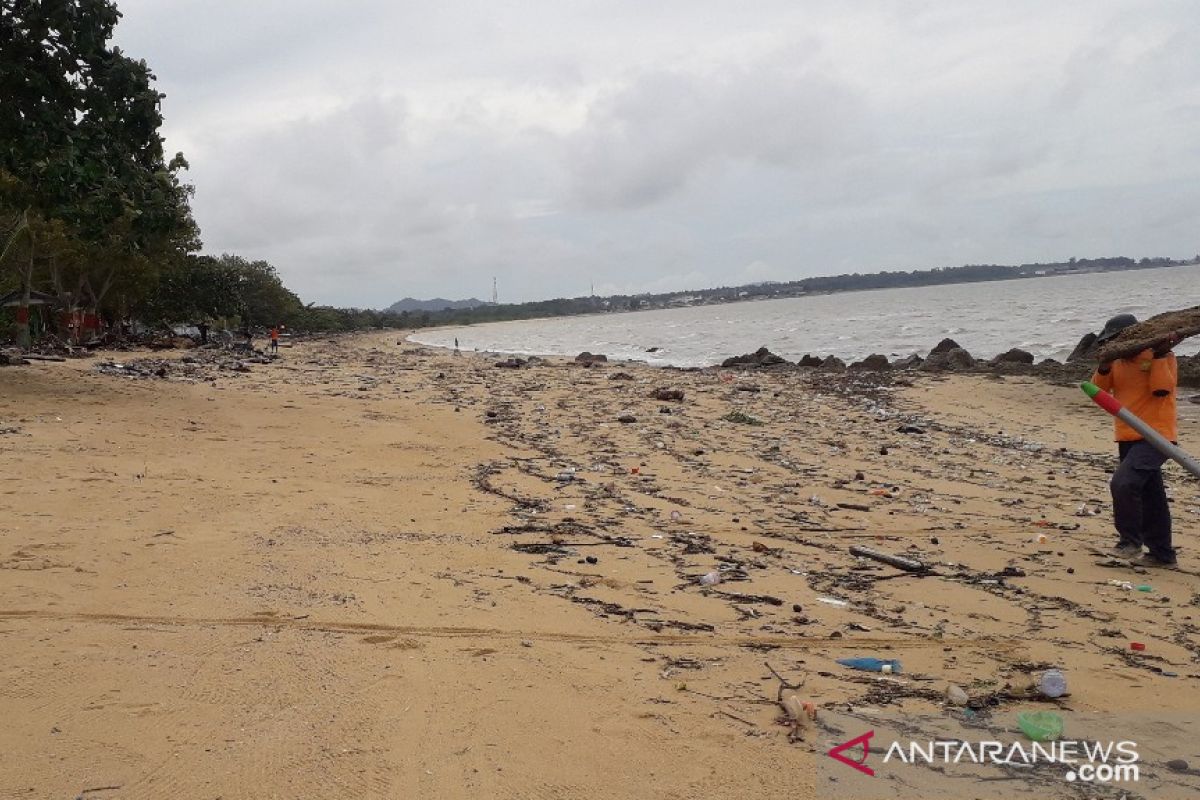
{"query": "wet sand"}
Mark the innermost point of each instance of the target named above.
(379, 570)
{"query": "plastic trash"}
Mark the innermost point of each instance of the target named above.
(956, 695)
(710, 579)
(1052, 683)
(1040, 726)
(1139, 646)
(886, 666)
(798, 710)
(832, 601)
(1145, 587)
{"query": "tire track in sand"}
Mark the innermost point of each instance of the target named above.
(466, 632)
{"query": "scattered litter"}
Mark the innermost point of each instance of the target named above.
(1040, 726)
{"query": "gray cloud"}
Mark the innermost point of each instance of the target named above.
(373, 150)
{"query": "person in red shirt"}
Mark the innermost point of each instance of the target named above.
(1146, 385)
(275, 340)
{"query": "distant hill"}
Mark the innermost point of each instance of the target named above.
(436, 304)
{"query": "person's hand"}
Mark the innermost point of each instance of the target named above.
(1164, 347)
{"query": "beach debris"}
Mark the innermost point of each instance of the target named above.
(796, 712)
(1171, 326)
(833, 601)
(887, 666)
(1052, 683)
(1040, 726)
(710, 578)
(1137, 646)
(666, 394)
(12, 360)
(899, 562)
(627, 419)
(742, 418)
(956, 696)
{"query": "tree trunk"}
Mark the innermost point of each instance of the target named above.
(24, 340)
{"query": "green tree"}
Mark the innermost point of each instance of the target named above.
(80, 143)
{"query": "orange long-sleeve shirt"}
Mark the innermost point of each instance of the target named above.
(1134, 381)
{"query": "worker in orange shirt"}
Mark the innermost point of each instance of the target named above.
(275, 340)
(1146, 385)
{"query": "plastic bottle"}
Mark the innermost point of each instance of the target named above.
(1052, 683)
(886, 666)
(710, 579)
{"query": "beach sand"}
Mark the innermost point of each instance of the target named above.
(363, 571)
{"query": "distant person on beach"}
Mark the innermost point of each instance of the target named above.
(1145, 384)
(275, 340)
(455, 345)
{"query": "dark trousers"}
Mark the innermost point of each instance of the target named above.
(1140, 508)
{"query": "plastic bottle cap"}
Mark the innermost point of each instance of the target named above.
(886, 669)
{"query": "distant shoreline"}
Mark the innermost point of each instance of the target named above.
(817, 286)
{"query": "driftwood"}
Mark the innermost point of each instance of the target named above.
(899, 562)
(1151, 333)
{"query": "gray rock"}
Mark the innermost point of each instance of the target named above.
(1014, 356)
(945, 346)
(810, 361)
(872, 363)
(762, 357)
(1085, 350)
(833, 364)
(955, 359)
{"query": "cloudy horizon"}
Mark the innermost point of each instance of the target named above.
(374, 150)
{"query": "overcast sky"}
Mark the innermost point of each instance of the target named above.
(375, 149)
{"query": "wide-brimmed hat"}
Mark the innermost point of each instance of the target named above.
(1115, 325)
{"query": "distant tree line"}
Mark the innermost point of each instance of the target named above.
(970, 273)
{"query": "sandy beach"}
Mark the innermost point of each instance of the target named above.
(374, 570)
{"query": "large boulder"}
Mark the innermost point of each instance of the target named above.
(954, 359)
(833, 364)
(810, 361)
(1189, 370)
(908, 362)
(1085, 350)
(959, 358)
(587, 359)
(1014, 356)
(762, 357)
(872, 363)
(945, 346)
